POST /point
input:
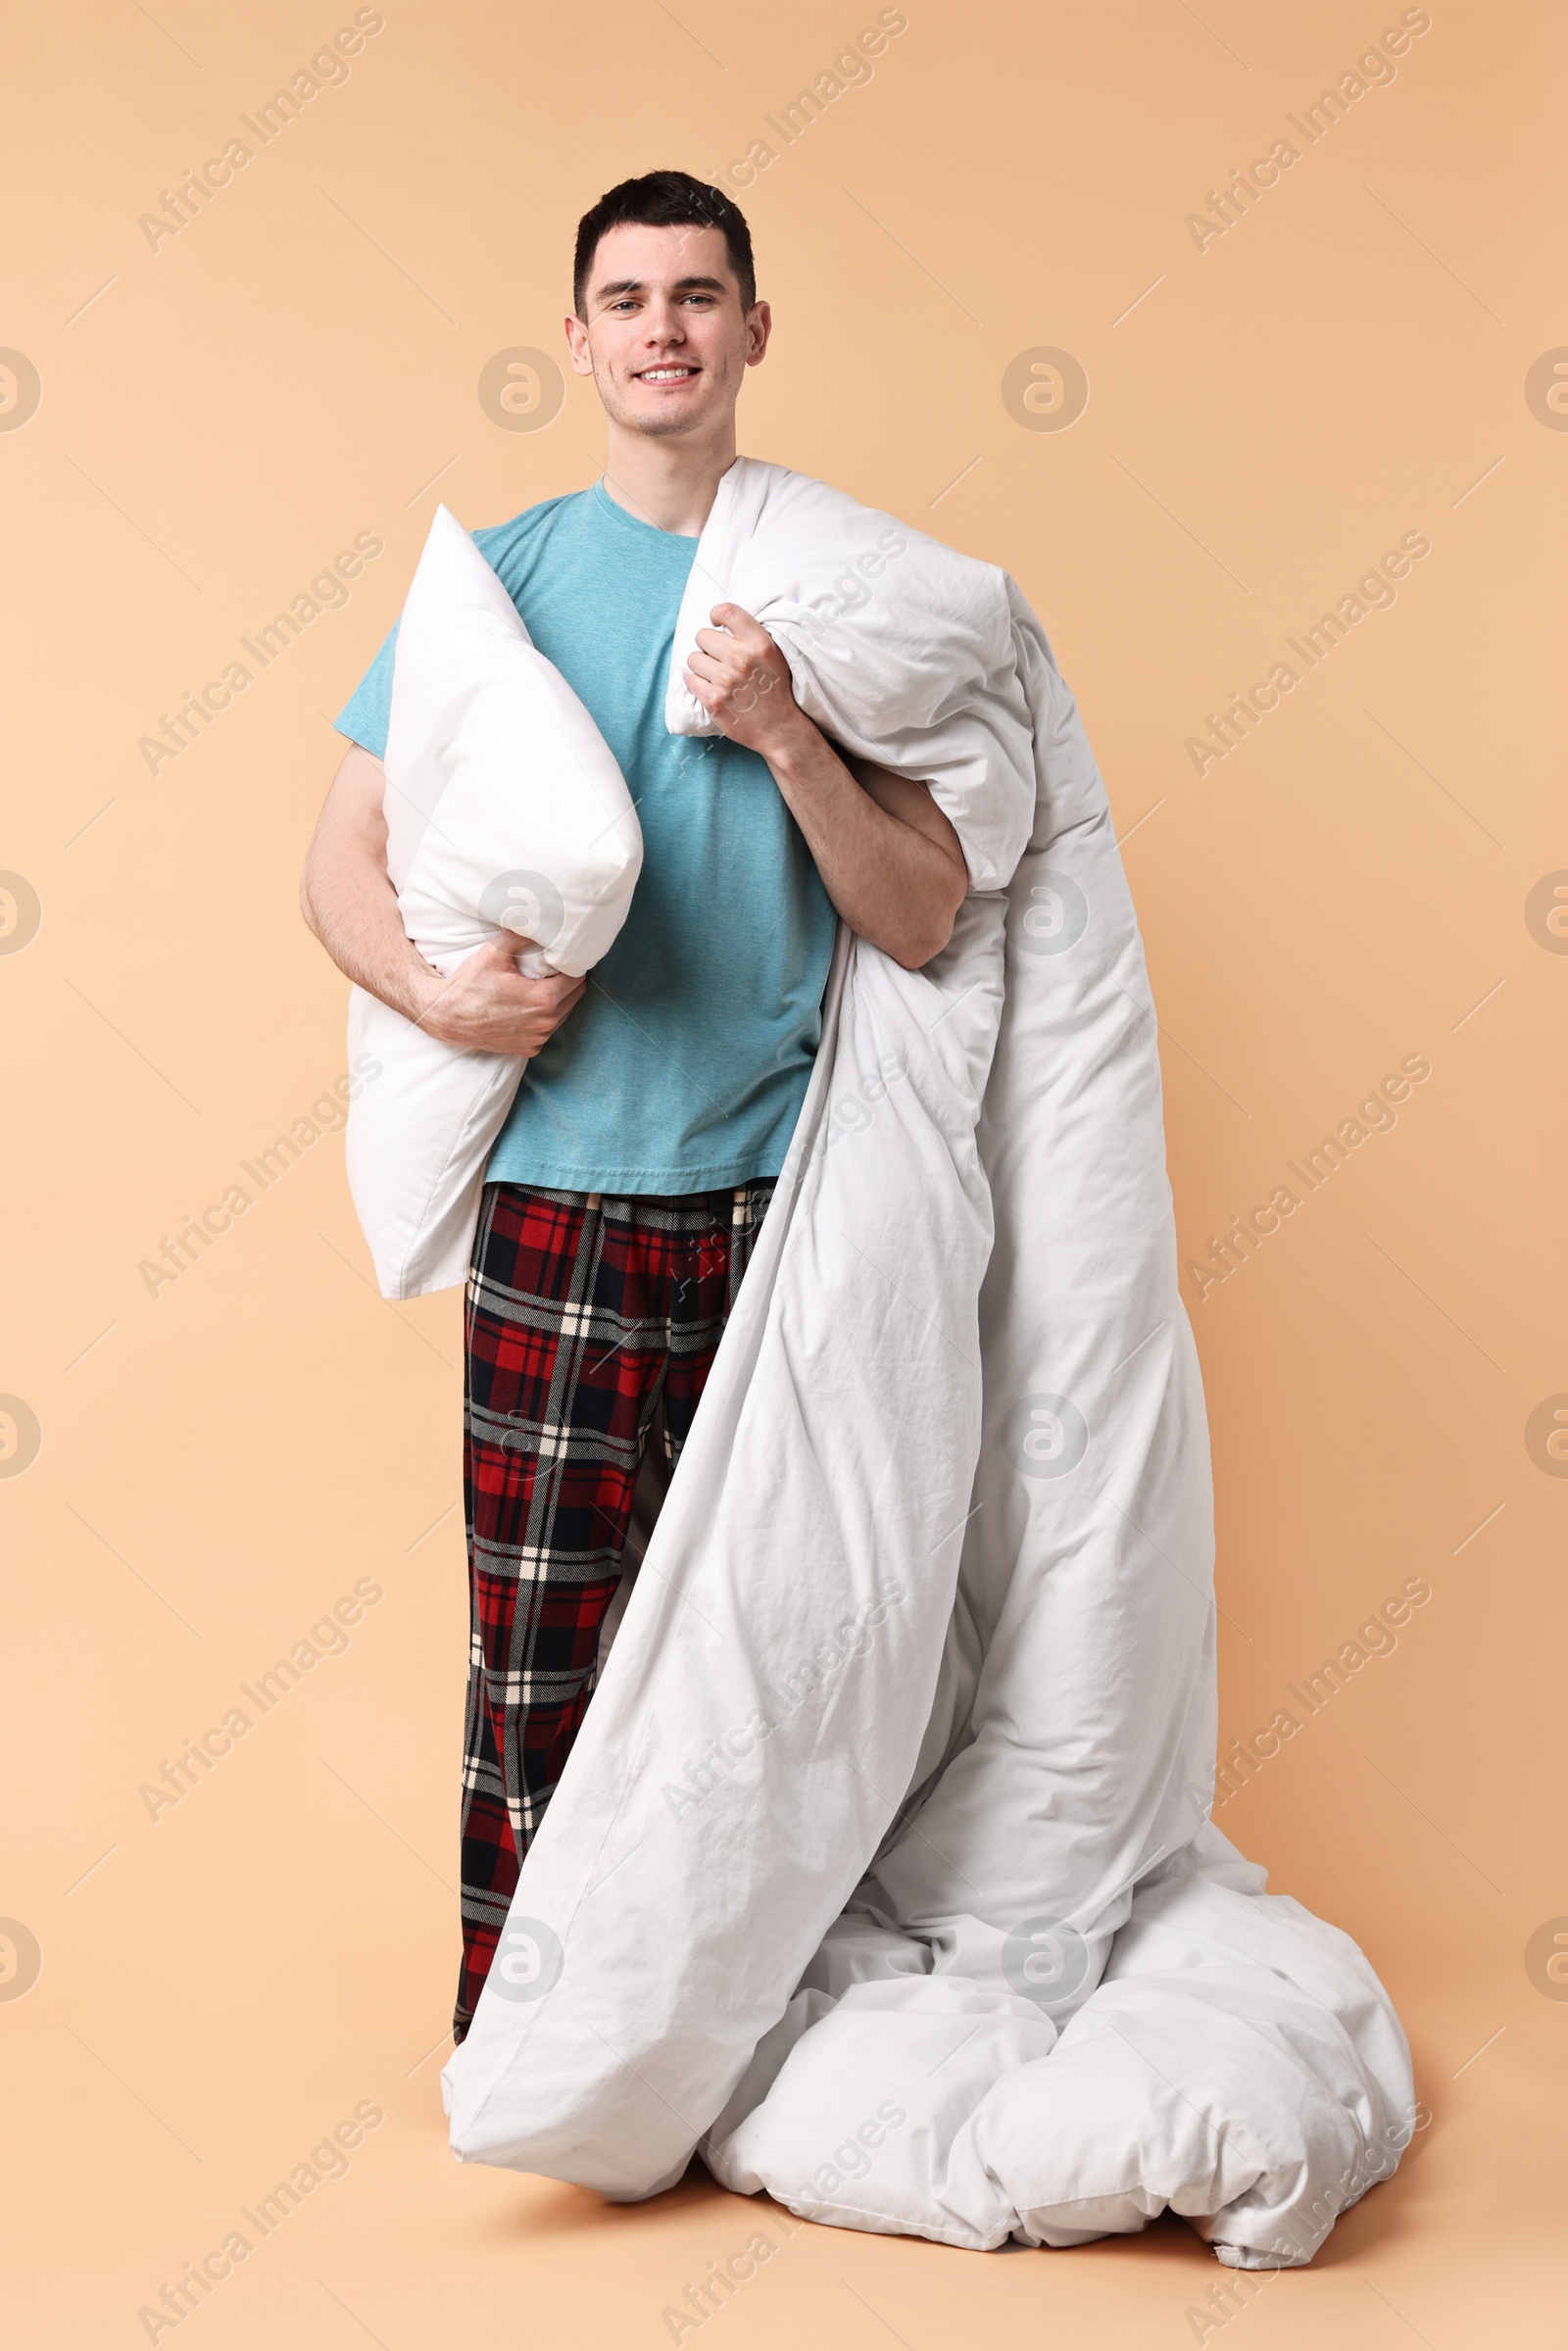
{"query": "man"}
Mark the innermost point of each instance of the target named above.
(624, 1193)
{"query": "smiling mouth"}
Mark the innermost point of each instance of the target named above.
(673, 374)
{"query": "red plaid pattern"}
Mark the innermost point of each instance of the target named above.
(587, 1317)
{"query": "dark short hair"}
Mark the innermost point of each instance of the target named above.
(666, 200)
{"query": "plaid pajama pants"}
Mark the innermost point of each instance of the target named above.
(587, 1318)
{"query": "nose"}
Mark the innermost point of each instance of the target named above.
(664, 324)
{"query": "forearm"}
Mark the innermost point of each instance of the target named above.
(889, 858)
(893, 884)
(349, 903)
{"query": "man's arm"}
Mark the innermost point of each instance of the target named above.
(889, 859)
(349, 903)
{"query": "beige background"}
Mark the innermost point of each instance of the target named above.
(222, 1463)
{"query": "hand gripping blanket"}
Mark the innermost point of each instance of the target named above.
(881, 1871)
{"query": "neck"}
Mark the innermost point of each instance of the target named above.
(670, 483)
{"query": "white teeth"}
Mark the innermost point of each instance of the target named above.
(666, 375)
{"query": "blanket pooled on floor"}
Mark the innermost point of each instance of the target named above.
(881, 1871)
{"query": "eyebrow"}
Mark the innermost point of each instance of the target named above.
(639, 285)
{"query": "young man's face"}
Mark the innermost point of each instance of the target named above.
(663, 335)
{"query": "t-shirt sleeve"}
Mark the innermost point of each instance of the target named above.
(368, 712)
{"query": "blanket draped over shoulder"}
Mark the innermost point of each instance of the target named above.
(882, 1870)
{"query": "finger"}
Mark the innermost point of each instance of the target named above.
(500, 954)
(550, 987)
(729, 653)
(499, 951)
(735, 645)
(732, 615)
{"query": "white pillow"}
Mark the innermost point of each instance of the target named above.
(504, 809)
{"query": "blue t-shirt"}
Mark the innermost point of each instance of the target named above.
(683, 1066)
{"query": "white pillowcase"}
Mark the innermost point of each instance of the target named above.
(504, 809)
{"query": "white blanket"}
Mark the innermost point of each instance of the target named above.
(881, 1869)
